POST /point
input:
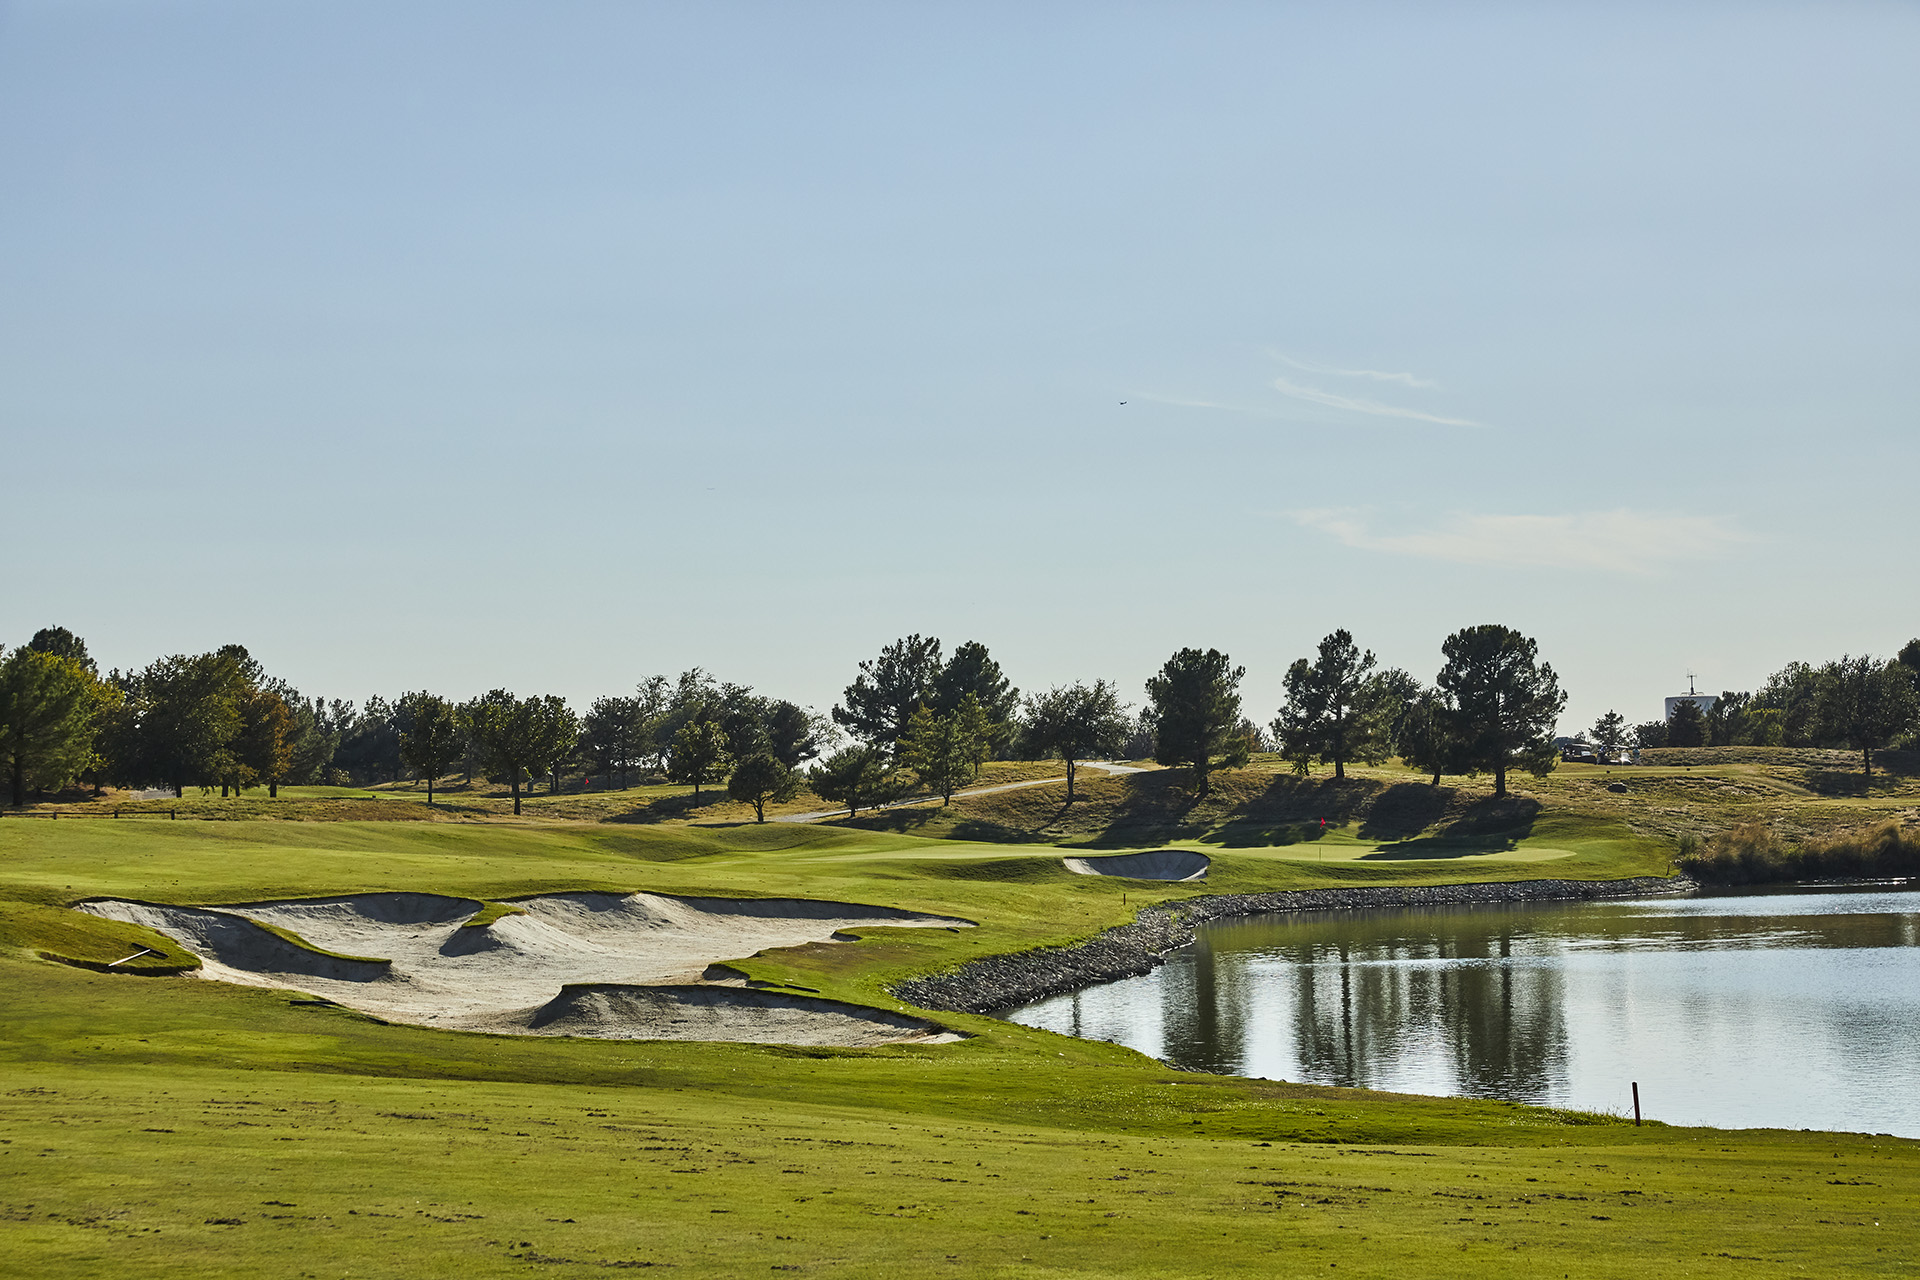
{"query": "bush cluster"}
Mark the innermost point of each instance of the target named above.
(1754, 853)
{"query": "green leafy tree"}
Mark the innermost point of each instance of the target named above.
(1909, 659)
(436, 736)
(859, 777)
(265, 747)
(613, 737)
(743, 715)
(104, 694)
(937, 752)
(699, 754)
(180, 716)
(1506, 701)
(1336, 709)
(1687, 726)
(1790, 691)
(47, 713)
(1077, 722)
(1651, 734)
(762, 779)
(880, 701)
(556, 731)
(1765, 727)
(370, 742)
(1727, 719)
(505, 730)
(312, 735)
(1866, 703)
(1195, 704)
(1429, 739)
(1609, 735)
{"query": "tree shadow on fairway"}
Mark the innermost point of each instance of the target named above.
(1493, 825)
(1404, 810)
(665, 807)
(1291, 809)
(1893, 772)
(1155, 808)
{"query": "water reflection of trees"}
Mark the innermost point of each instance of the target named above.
(1372, 1007)
(1510, 1001)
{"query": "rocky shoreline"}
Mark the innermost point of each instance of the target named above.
(1126, 951)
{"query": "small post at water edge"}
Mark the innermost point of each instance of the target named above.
(1636, 1104)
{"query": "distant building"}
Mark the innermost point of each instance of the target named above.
(1704, 701)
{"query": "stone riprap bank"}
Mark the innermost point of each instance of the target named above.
(1125, 951)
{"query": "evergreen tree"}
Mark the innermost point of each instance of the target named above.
(972, 673)
(794, 734)
(1609, 735)
(977, 730)
(62, 643)
(1334, 710)
(1506, 701)
(1195, 704)
(1428, 740)
(881, 699)
(1687, 726)
(937, 752)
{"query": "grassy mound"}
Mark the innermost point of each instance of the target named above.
(212, 1130)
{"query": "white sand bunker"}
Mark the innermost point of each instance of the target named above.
(578, 964)
(1161, 864)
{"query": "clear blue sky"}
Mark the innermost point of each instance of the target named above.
(454, 345)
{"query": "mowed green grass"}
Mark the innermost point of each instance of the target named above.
(199, 1129)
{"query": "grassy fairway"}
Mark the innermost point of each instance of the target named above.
(196, 1129)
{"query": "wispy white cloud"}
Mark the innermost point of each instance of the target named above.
(1359, 404)
(1374, 375)
(1621, 541)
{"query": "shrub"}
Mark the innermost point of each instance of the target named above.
(1753, 853)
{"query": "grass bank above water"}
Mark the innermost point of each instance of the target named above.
(177, 1124)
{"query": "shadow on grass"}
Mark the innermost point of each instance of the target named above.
(1893, 772)
(1287, 809)
(666, 807)
(1493, 825)
(1405, 809)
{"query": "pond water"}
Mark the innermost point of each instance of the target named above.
(1797, 1011)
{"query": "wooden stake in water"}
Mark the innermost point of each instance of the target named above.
(1636, 1104)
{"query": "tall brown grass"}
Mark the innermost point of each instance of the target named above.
(1753, 853)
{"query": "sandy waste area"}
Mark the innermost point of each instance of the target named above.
(638, 966)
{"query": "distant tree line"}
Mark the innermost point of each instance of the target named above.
(914, 719)
(1863, 703)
